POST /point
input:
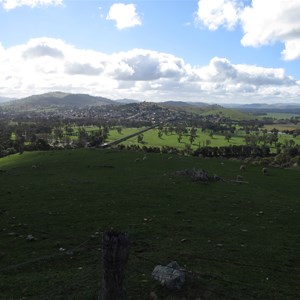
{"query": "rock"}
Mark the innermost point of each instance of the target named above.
(216, 177)
(70, 253)
(170, 276)
(30, 238)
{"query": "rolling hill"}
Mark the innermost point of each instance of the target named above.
(233, 114)
(58, 99)
(205, 109)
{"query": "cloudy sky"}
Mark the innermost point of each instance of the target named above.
(234, 51)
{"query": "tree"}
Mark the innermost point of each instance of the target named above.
(193, 134)
(179, 138)
(192, 139)
(41, 144)
(207, 142)
(140, 138)
(228, 136)
(58, 133)
(119, 129)
(82, 137)
(69, 130)
(159, 134)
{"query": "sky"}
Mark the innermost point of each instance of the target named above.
(215, 51)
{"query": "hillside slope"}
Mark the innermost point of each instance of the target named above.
(58, 99)
(240, 239)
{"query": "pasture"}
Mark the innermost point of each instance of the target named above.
(281, 116)
(217, 140)
(241, 240)
(281, 127)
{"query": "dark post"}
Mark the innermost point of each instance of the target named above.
(115, 255)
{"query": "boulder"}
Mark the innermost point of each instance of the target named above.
(170, 276)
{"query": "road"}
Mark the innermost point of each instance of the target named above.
(124, 138)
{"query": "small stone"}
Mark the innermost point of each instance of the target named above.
(30, 238)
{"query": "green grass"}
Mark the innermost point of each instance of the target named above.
(242, 239)
(151, 139)
(281, 116)
(282, 127)
(233, 114)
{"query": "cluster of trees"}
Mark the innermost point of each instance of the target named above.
(20, 137)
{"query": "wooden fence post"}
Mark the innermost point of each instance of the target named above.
(115, 255)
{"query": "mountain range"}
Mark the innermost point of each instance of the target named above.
(61, 99)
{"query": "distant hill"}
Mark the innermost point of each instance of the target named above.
(183, 103)
(127, 101)
(6, 99)
(265, 108)
(205, 109)
(58, 99)
(233, 114)
(216, 109)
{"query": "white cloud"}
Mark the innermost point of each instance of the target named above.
(12, 4)
(145, 65)
(124, 15)
(216, 13)
(46, 64)
(269, 21)
(264, 22)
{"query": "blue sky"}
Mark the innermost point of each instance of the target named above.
(155, 50)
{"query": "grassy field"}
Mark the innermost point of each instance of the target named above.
(281, 116)
(151, 139)
(241, 239)
(282, 127)
(233, 114)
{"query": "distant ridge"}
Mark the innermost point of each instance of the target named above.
(59, 99)
(6, 99)
(183, 103)
(263, 105)
(267, 108)
(127, 101)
